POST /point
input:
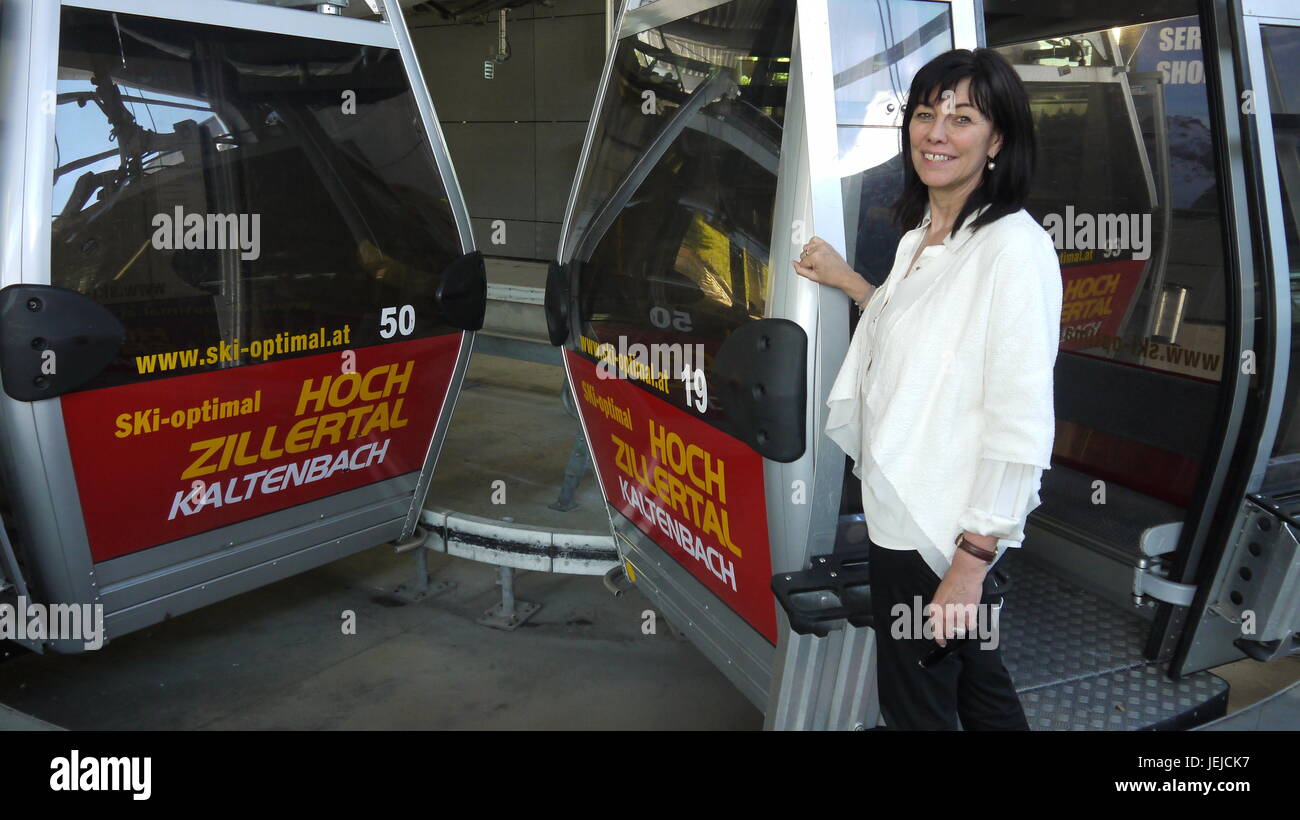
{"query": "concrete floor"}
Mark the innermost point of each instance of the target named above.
(277, 658)
(509, 425)
(1252, 681)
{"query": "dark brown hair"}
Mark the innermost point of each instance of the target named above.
(998, 93)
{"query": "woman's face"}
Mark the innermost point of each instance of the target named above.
(951, 141)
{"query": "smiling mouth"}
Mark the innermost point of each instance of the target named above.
(936, 157)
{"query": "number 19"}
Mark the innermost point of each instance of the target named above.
(697, 389)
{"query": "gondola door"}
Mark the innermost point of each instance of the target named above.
(699, 361)
(1247, 590)
(236, 319)
(665, 274)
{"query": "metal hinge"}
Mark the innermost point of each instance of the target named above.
(1149, 582)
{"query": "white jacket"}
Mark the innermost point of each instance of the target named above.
(964, 373)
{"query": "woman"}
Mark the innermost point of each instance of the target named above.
(944, 401)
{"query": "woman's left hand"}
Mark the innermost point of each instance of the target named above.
(953, 611)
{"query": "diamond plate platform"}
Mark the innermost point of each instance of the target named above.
(1131, 699)
(1077, 662)
(1053, 631)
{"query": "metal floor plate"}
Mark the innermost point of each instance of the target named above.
(1077, 662)
(1139, 698)
(1053, 631)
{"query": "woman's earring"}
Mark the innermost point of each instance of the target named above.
(991, 164)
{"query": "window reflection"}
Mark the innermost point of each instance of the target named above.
(1126, 185)
(673, 218)
(214, 184)
(876, 48)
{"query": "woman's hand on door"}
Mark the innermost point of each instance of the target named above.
(822, 264)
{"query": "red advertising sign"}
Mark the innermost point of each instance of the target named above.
(165, 459)
(1094, 299)
(692, 489)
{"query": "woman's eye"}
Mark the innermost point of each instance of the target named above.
(963, 120)
(924, 115)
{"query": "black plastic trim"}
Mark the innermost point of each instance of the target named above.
(762, 383)
(557, 303)
(53, 340)
(462, 291)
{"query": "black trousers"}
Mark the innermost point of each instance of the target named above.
(970, 684)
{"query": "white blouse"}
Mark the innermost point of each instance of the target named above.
(956, 484)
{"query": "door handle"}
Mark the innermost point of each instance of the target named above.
(462, 291)
(557, 303)
(762, 381)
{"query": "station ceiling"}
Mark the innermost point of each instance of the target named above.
(465, 11)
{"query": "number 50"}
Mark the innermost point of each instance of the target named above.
(394, 320)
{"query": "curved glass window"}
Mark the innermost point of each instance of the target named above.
(217, 188)
(1127, 188)
(673, 218)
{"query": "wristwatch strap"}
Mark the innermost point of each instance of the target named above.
(987, 556)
